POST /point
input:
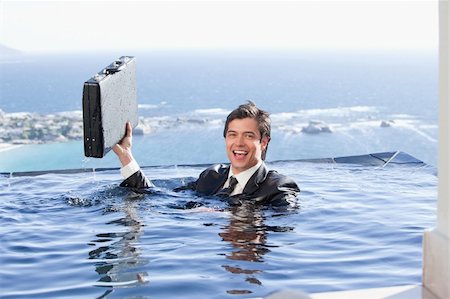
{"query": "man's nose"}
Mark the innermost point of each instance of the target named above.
(240, 140)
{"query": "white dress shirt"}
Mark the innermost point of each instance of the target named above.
(242, 178)
(129, 169)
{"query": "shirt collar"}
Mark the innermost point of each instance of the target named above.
(244, 176)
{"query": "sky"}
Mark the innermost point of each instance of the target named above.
(99, 25)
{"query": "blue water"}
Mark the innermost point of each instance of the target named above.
(280, 81)
(349, 90)
(81, 236)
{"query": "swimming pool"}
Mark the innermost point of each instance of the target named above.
(78, 235)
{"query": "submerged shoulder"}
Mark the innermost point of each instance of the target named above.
(285, 189)
(280, 179)
(216, 168)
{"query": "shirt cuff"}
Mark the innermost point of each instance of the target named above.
(129, 169)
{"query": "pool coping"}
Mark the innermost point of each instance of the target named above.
(395, 292)
(381, 159)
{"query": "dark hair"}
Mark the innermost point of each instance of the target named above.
(250, 110)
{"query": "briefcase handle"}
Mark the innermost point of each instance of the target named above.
(116, 66)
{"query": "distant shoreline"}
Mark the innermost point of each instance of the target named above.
(4, 147)
(32, 128)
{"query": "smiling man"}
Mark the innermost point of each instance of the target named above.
(247, 136)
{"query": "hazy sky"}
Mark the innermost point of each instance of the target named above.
(98, 25)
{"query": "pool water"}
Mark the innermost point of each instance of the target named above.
(79, 235)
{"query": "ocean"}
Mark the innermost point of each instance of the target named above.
(187, 95)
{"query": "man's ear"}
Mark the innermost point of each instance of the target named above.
(265, 142)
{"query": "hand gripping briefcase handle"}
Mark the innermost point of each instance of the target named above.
(109, 101)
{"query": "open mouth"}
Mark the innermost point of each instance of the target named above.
(239, 155)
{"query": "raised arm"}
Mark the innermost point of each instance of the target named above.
(123, 148)
(130, 170)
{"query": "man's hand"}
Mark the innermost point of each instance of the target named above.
(123, 148)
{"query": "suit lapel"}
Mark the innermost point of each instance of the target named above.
(255, 180)
(218, 182)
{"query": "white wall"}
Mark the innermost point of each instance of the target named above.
(436, 243)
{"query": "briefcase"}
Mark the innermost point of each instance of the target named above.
(109, 101)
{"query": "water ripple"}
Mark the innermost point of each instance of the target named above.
(91, 238)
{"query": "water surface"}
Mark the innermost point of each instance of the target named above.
(81, 236)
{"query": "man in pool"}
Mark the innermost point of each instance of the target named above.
(247, 136)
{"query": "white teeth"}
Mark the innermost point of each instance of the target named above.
(240, 152)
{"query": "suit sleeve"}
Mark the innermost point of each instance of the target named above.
(137, 180)
(287, 192)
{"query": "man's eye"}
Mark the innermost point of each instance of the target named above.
(249, 136)
(231, 135)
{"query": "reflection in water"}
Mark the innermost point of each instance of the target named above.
(248, 235)
(117, 257)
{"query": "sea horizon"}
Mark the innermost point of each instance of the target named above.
(371, 100)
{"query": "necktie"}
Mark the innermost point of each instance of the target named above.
(228, 190)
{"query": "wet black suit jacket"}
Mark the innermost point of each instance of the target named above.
(266, 187)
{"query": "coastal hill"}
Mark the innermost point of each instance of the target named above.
(7, 51)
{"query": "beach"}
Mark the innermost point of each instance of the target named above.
(8, 146)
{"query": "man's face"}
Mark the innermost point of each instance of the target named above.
(243, 144)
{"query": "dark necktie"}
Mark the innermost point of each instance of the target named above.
(228, 190)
